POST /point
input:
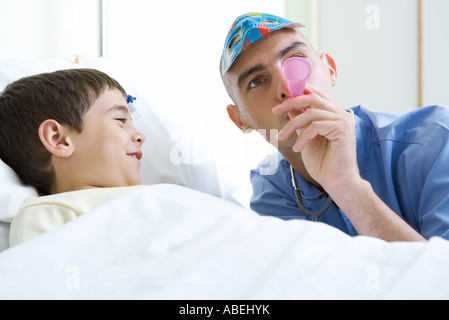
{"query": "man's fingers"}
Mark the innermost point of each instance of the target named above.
(327, 129)
(313, 100)
(299, 122)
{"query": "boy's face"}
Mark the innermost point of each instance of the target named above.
(257, 85)
(107, 151)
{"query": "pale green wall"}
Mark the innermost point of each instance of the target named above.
(307, 13)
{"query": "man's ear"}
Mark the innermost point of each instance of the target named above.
(55, 138)
(235, 116)
(329, 62)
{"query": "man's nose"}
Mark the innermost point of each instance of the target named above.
(283, 92)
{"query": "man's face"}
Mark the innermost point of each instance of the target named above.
(257, 85)
(108, 148)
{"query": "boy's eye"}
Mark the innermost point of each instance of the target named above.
(123, 120)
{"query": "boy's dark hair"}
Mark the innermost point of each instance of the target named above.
(64, 96)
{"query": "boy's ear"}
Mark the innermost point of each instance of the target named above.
(54, 137)
(235, 116)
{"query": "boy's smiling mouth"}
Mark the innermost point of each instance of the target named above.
(136, 154)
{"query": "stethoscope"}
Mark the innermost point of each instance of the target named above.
(298, 195)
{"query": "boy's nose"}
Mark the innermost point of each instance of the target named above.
(138, 137)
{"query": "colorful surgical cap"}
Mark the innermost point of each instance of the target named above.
(247, 30)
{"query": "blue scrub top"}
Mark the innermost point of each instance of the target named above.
(405, 157)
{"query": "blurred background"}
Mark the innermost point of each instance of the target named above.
(391, 55)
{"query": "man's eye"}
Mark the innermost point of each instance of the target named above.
(255, 82)
(123, 120)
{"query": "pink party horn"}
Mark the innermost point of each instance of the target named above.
(296, 71)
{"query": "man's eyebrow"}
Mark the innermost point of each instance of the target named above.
(249, 72)
(294, 45)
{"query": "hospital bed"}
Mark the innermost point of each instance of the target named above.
(186, 235)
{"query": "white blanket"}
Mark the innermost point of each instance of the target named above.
(170, 242)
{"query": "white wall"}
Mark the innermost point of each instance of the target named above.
(435, 52)
(49, 28)
(375, 45)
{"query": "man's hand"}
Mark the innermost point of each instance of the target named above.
(326, 138)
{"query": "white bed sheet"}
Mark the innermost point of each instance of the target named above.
(171, 242)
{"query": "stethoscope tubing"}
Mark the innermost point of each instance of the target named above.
(312, 214)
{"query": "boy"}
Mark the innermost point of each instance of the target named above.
(367, 173)
(70, 135)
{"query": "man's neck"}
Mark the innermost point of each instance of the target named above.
(295, 160)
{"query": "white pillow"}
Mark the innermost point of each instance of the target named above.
(162, 149)
(12, 192)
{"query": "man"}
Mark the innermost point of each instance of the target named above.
(374, 174)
